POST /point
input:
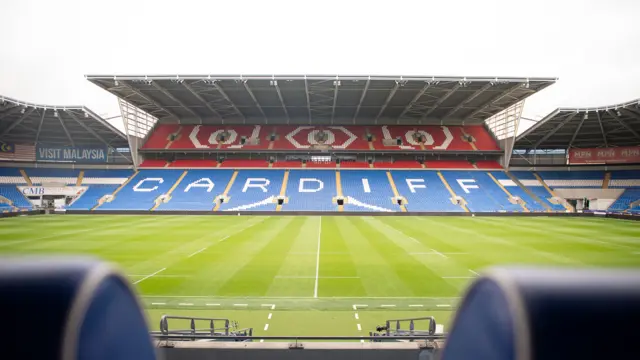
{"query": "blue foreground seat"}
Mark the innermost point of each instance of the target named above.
(527, 314)
(69, 308)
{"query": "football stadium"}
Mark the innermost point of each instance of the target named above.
(270, 209)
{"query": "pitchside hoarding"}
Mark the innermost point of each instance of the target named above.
(620, 155)
(71, 154)
(51, 190)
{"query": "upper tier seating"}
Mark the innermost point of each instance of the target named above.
(159, 137)
(41, 176)
(12, 193)
(321, 164)
(11, 176)
(367, 191)
(141, 192)
(480, 191)
(400, 164)
(191, 164)
(354, 165)
(564, 179)
(254, 190)
(424, 191)
(625, 178)
(287, 164)
(311, 190)
(488, 165)
(197, 190)
(236, 163)
(448, 164)
(291, 137)
(150, 163)
(106, 177)
(516, 190)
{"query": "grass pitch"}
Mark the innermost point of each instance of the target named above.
(310, 275)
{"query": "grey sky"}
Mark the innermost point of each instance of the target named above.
(592, 46)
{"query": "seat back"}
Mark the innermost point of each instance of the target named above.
(70, 308)
(528, 313)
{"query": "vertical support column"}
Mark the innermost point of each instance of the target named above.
(395, 190)
(339, 189)
(227, 189)
(283, 188)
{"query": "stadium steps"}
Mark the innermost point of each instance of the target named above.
(283, 188)
(523, 204)
(607, 178)
(564, 203)
(175, 185)
(80, 178)
(453, 193)
(466, 136)
(529, 192)
(118, 189)
(339, 189)
(395, 190)
(227, 189)
(26, 177)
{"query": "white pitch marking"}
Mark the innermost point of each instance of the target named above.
(321, 277)
(359, 327)
(158, 303)
(439, 253)
(387, 306)
(240, 305)
(185, 304)
(261, 340)
(304, 297)
(473, 272)
(241, 230)
(415, 305)
(443, 305)
(197, 252)
(266, 326)
(213, 304)
(148, 276)
(357, 317)
(273, 306)
(269, 317)
(458, 277)
(225, 238)
(355, 306)
(315, 290)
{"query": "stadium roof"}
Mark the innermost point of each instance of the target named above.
(303, 99)
(27, 123)
(606, 126)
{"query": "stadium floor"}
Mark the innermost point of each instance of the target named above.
(311, 275)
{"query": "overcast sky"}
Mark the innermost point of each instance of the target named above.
(592, 46)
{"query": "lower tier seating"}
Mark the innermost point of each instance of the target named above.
(12, 193)
(91, 196)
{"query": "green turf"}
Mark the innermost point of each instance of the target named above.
(391, 267)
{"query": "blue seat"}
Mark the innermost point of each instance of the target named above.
(527, 313)
(70, 308)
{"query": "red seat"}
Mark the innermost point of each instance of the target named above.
(153, 163)
(236, 163)
(194, 164)
(448, 164)
(488, 164)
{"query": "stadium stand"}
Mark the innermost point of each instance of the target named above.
(91, 196)
(367, 191)
(11, 176)
(625, 179)
(450, 164)
(193, 164)
(480, 191)
(237, 163)
(528, 179)
(143, 190)
(12, 193)
(287, 164)
(400, 164)
(151, 163)
(41, 176)
(354, 165)
(311, 190)
(517, 191)
(254, 190)
(198, 190)
(424, 191)
(582, 179)
(628, 201)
